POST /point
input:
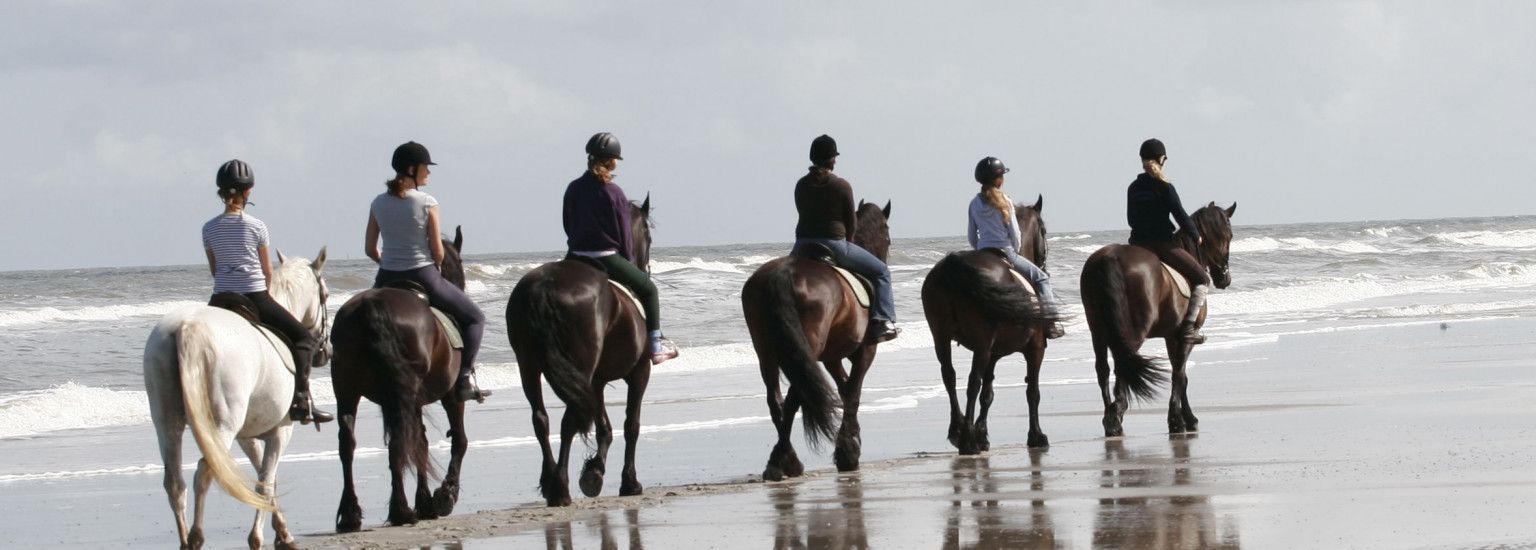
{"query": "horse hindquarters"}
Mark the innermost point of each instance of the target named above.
(398, 396)
(162, 384)
(195, 355)
(1107, 304)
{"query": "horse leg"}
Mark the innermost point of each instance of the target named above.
(549, 479)
(424, 508)
(596, 467)
(562, 489)
(273, 444)
(941, 348)
(254, 450)
(637, 383)
(980, 359)
(1034, 355)
(849, 439)
(349, 514)
(400, 512)
(1180, 418)
(447, 495)
(983, 442)
(1101, 366)
(783, 422)
(200, 481)
(170, 431)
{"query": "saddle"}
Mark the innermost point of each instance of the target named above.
(449, 326)
(857, 283)
(246, 309)
(1019, 277)
(623, 291)
(1178, 280)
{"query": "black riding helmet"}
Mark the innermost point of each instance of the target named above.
(989, 169)
(1153, 149)
(823, 149)
(235, 174)
(408, 155)
(604, 145)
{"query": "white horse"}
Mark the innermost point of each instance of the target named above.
(211, 369)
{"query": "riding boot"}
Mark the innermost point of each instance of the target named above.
(1187, 330)
(881, 330)
(662, 349)
(466, 390)
(303, 408)
(1055, 331)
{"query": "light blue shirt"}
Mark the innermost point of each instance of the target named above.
(403, 230)
(989, 228)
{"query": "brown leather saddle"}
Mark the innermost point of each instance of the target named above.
(246, 309)
(861, 287)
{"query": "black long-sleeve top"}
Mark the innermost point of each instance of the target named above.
(825, 204)
(1149, 202)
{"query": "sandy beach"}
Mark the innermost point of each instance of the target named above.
(1403, 437)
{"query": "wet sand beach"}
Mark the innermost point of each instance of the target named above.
(1417, 436)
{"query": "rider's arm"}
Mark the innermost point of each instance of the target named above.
(1179, 214)
(850, 215)
(371, 240)
(212, 267)
(433, 240)
(970, 228)
(266, 264)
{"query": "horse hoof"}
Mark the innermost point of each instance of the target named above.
(195, 539)
(350, 525)
(443, 500)
(791, 466)
(402, 516)
(773, 473)
(591, 483)
(286, 545)
(254, 541)
(1039, 441)
(558, 502)
(631, 488)
(846, 462)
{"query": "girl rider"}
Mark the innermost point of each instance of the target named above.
(992, 225)
(1149, 201)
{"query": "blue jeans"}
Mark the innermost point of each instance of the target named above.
(453, 301)
(1034, 275)
(854, 258)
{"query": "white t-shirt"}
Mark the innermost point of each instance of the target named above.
(403, 230)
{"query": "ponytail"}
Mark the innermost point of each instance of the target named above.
(993, 195)
(601, 167)
(1154, 169)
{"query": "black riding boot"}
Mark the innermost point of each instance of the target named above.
(466, 390)
(1187, 330)
(303, 408)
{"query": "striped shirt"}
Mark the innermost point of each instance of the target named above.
(234, 238)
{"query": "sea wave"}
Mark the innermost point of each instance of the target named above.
(1268, 244)
(70, 406)
(1517, 239)
(48, 315)
(698, 264)
(1322, 293)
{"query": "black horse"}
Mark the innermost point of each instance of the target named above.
(1128, 297)
(390, 348)
(973, 298)
(566, 322)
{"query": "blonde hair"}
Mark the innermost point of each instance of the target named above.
(993, 195)
(1154, 168)
(602, 168)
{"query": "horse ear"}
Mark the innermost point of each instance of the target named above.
(281, 259)
(319, 262)
(458, 238)
(1039, 203)
(1232, 209)
(887, 210)
(645, 207)
(1211, 205)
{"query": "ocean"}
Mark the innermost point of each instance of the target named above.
(73, 413)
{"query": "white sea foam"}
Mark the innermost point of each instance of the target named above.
(1267, 244)
(496, 271)
(696, 264)
(1069, 237)
(1517, 239)
(47, 315)
(1331, 292)
(70, 406)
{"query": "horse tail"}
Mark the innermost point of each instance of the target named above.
(997, 301)
(818, 398)
(544, 318)
(398, 392)
(1138, 372)
(194, 358)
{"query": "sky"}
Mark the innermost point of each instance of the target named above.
(117, 114)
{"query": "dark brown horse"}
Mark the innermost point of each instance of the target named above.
(568, 324)
(1128, 298)
(390, 348)
(799, 311)
(973, 298)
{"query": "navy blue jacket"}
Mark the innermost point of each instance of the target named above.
(596, 216)
(1149, 202)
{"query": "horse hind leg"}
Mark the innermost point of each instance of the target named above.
(1101, 367)
(983, 441)
(349, 514)
(1034, 355)
(549, 477)
(980, 359)
(1180, 418)
(596, 466)
(447, 495)
(782, 461)
(850, 439)
(170, 432)
(637, 382)
(942, 349)
(254, 450)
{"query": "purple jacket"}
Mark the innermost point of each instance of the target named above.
(596, 216)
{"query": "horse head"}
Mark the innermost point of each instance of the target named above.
(640, 225)
(298, 284)
(1215, 225)
(1032, 243)
(453, 266)
(873, 233)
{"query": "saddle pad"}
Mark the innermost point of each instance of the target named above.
(624, 291)
(858, 284)
(455, 339)
(1178, 280)
(1020, 278)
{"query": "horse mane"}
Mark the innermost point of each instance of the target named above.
(1041, 247)
(872, 231)
(286, 280)
(1205, 220)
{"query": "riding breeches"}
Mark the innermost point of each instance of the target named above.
(637, 281)
(854, 258)
(272, 314)
(1033, 274)
(1179, 259)
(452, 300)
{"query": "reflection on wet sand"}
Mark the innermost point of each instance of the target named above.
(1179, 517)
(835, 524)
(996, 523)
(558, 535)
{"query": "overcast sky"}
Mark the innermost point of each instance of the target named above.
(117, 114)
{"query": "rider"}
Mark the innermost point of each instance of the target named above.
(236, 244)
(597, 226)
(825, 204)
(992, 226)
(407, 220)
(1149, 201)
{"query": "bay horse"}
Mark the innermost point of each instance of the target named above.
(390, 348)
(211, 369)
(799, 311)
(1128, 298)
(567, 323)
(973, 298)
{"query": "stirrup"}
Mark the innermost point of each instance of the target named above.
(303, 411)
(1191, 335)
(667, 352)
(466, 390)
(1055, 331)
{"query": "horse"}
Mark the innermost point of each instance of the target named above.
(973, 298)
(799, 311)
(215, 371)
(1128, 297)
(391, 349)
(566, 322)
